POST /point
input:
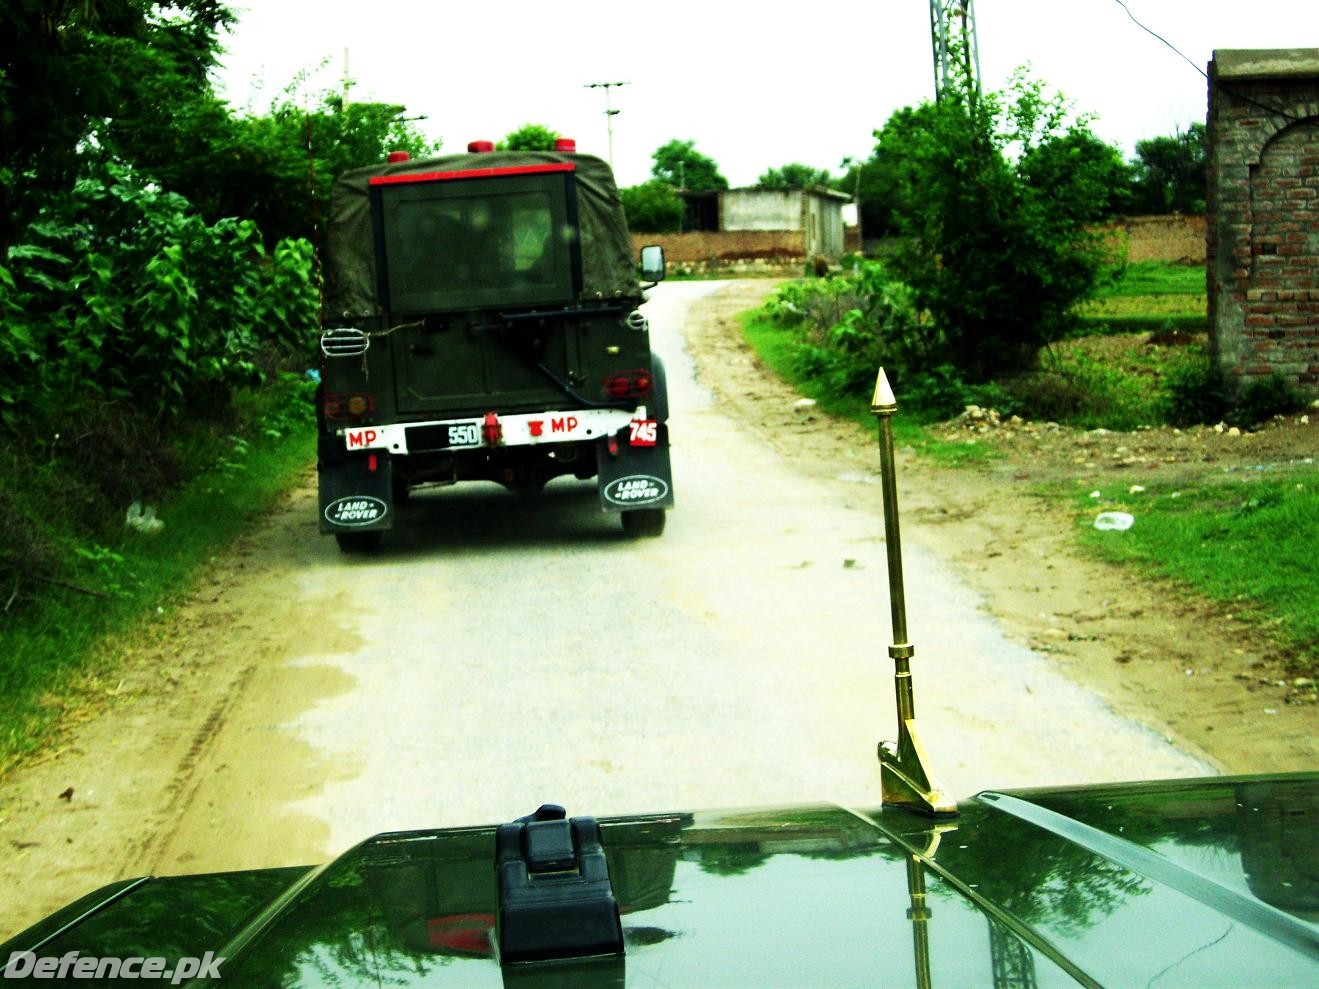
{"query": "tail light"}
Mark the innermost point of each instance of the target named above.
(630, 384)
(348, 405)
(492, 430)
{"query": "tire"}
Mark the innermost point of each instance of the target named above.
(358, 542)
(644, 523)
(659, 403)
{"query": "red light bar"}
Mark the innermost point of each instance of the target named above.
(474, 173)
(480, 147)
(396, 156)
(565, 145)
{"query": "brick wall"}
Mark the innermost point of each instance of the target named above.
(1176, 238)
(769, 252)
(1262, 237)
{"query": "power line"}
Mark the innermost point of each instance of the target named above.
(1213, 82)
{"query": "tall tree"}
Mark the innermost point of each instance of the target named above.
(1170, 172)
(998, 256)
(530, 137)
(69, 66)
(680, 165)
(652, 207)
(794, 175)
(277, 168)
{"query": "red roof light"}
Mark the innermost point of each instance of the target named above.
(566, 145)
(480, 147)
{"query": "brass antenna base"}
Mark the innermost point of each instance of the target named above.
(905, 779)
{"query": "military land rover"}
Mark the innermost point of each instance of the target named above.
(481, 323)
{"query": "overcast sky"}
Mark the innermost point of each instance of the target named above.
(754, 85)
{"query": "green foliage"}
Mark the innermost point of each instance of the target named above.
(275, 169)
(1079, 166)
(1264, 398)
(846, 326)
(794, 175)
(70, 69)
(1195, 393)
(998, 259)
(530, 137)
(652, 207)
(100, 577)
(1169, 173)
(121, 292)
(681, 166)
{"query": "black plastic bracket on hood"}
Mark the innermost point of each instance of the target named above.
(555, 897)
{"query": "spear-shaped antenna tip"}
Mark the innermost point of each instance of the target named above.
(883, 399)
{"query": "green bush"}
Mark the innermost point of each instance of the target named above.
(849, 324)
(1265, 398)
(1195, 392)
(122, 292)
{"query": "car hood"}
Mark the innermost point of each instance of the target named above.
(1178, 883)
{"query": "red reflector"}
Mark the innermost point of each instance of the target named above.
(629, 384)
(566, 145)
(348, 405)
(613, 446)
(464, 932)
(492, 431)
(396, 156)
(372, 463)
(480, 147)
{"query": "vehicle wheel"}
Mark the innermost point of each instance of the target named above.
(659, 401)
(358, 542)
(644, 522)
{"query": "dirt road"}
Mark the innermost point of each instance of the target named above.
(502, 652)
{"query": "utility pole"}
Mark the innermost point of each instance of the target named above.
(610, 112)
(956, 54)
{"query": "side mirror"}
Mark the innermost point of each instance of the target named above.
(652, 263)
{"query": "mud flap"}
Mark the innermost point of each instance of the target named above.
(634, 476)
(354, 498)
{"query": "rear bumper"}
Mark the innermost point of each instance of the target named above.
(474, 432)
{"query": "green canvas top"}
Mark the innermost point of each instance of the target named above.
(608, 269)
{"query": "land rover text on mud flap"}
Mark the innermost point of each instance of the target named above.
(481, 323)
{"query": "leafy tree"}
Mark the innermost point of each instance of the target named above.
(276, 169)
(1170, 173)
(680, 165)
(1088, 177)
(68, 66)
(998, 256)
(794, 175)
(530, 137)
(652, 207)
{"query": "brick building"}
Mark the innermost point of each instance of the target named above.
(1262, 236)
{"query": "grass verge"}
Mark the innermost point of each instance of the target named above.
(1149, 297)
(124, 578)
(1247, 543)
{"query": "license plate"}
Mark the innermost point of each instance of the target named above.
(643, 432)
(464, 434)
